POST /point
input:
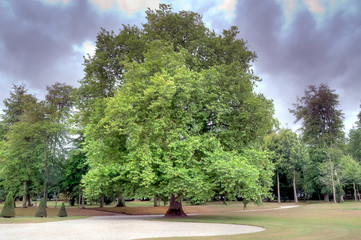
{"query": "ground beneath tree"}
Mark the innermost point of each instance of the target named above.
(117, 227)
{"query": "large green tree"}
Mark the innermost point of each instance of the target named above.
(171, 130)
(216, 93)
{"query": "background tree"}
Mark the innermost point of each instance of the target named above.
(322, 121)
(322, 126)
(35, 138)
(350, 173)
(74, 168)
(354, 140)
(289, 154)
(22, 143)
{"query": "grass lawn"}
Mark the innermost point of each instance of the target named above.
(312, 220)
(309, 221)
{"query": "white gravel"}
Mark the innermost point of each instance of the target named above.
(119, 227)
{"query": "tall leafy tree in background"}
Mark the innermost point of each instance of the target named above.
(354, 140)
(290, 156)
(182, 115)
(34, 142)
(350, 171)
(21, 142)
(322, 128)
(322, 121)
(57, 108)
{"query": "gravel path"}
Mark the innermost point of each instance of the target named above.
(120, 227)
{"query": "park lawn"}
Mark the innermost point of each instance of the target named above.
(311, 221)
(26, 215)
(314, 220)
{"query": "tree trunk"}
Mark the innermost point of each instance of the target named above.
(175, 208)
(333, 186)
(332, 180)
(326, 197)
(56, 200)
(46, 180)
(121, 201)
(278, 188)
(82, 200)
(294, 188)
(156, 202)
(101, 201)
(354, 191)
(25, 194)
(45, 193)
(79, 200)
(29, 201)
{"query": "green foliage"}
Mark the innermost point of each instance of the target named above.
(349, 170)
(74, 168)
(167, 131)
(33, 146)
(354, 143)
(8, 210)
(321, 119)
(290, 154)
(41, 210)
(62, 211)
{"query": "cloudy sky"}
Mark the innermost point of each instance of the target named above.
(298, 42)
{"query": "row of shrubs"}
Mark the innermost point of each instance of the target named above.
(8, 210)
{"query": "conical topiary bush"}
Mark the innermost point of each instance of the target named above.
(41, 210)
(62, 211)
(8, 210)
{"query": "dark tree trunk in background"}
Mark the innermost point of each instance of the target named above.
(72, 201)
(121, 202)
(101, 201)
(156, 202)
(29, 201)
(326, 197)
(175, 208)
(25, 194)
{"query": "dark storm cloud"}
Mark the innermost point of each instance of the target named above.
(37, 40)
(306, 52)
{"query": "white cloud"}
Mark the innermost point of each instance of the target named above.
(88, 47)
(103, 4)
(131, 6)
(314, 6)
(128, 6)
(228, 6)
(58, 1)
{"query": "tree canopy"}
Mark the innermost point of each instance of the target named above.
(183, 117)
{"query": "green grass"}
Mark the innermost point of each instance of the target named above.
(26, 215)
(311, 221)
(28, 219)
